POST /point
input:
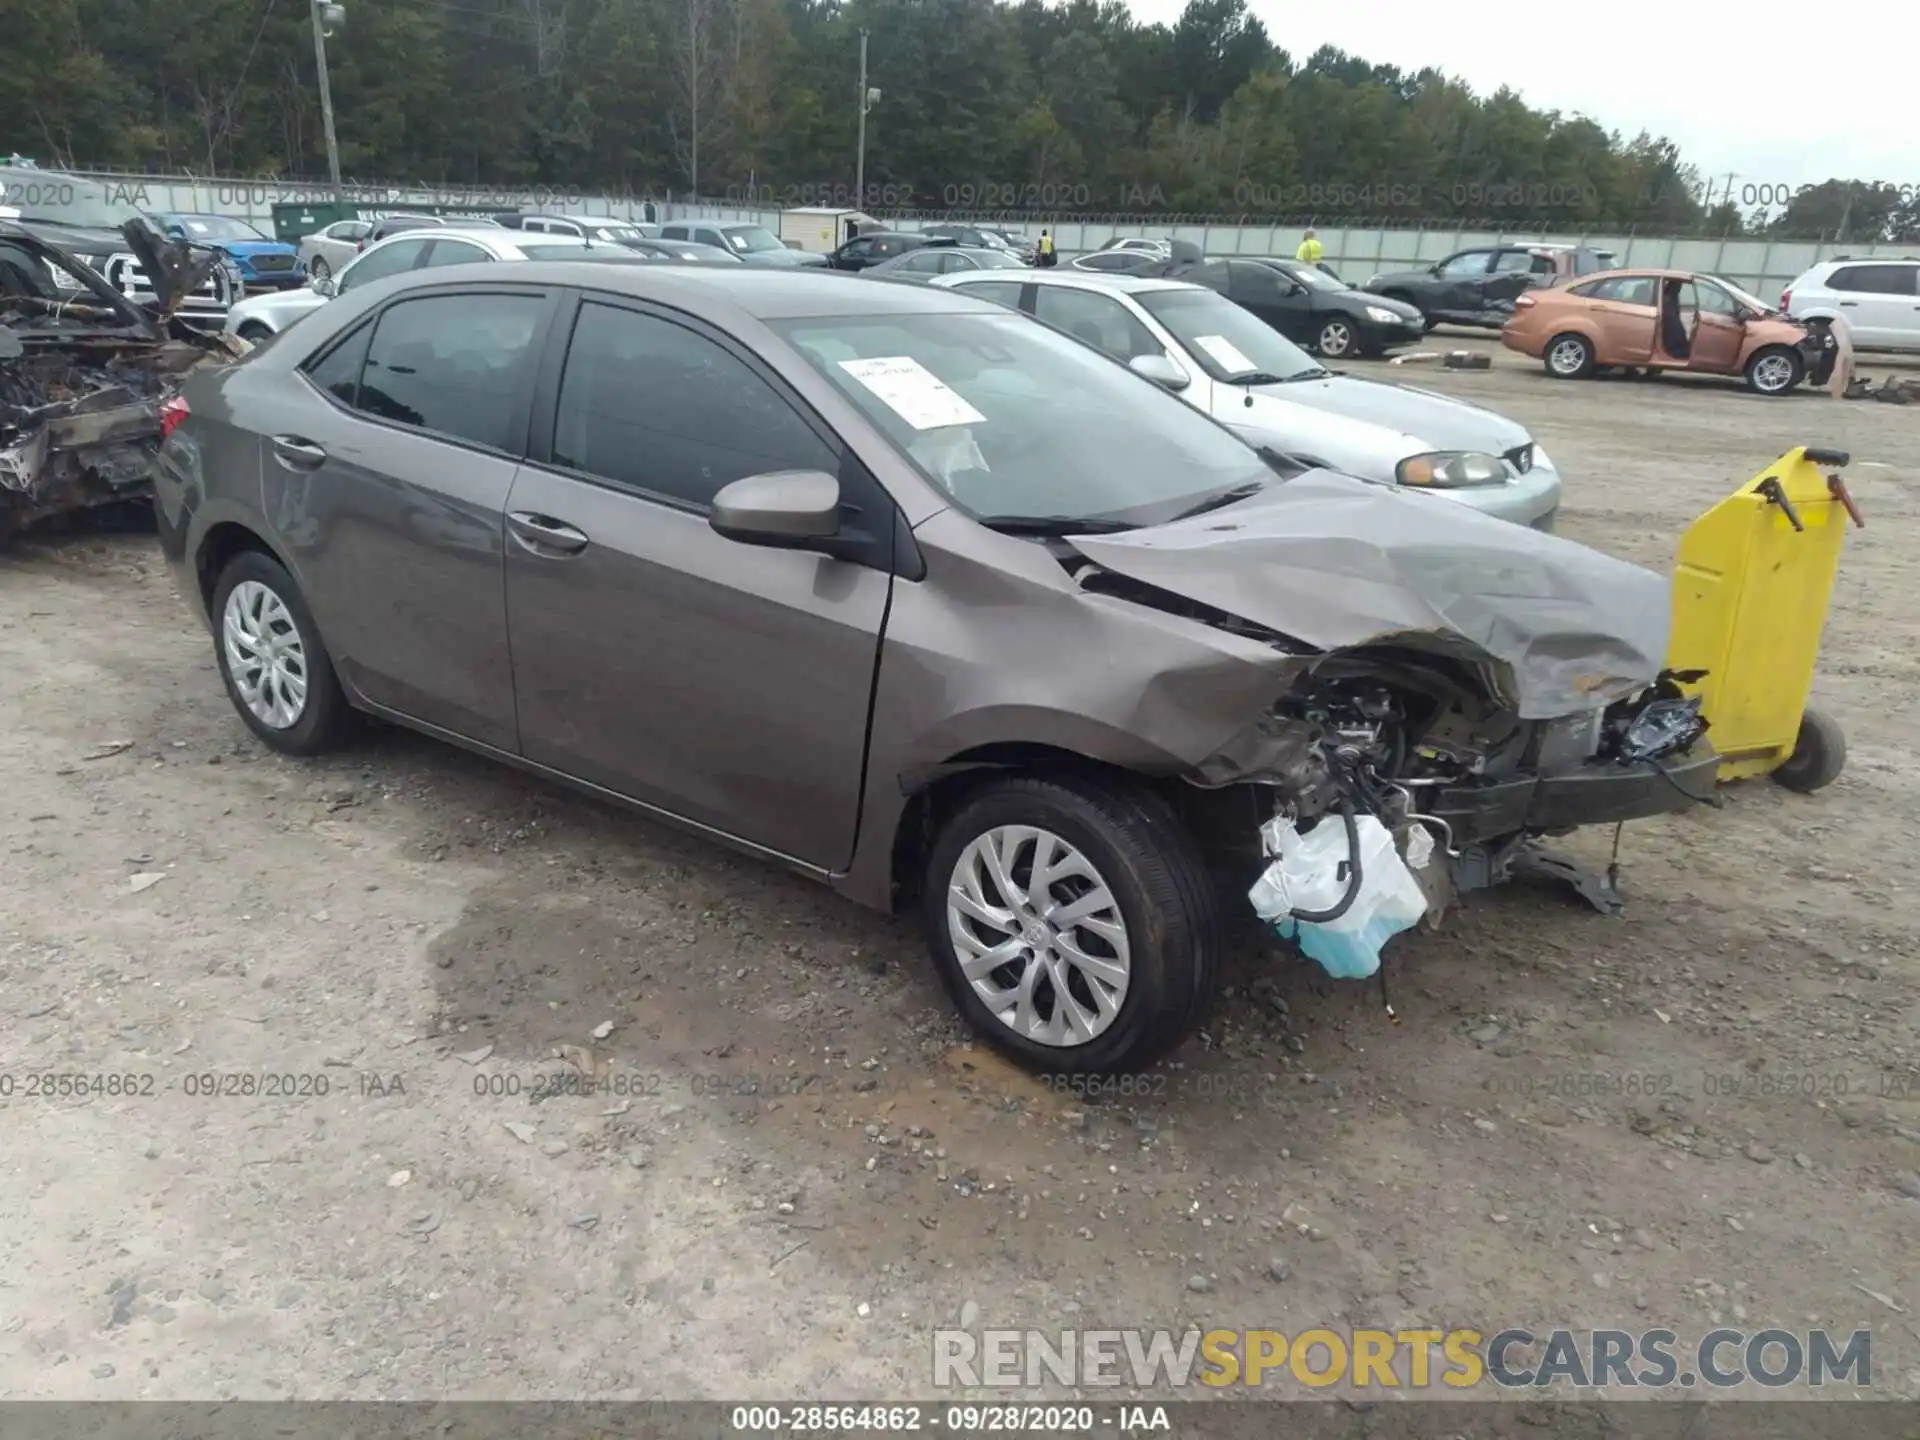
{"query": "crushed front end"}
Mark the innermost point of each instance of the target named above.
(1394, 781)
(86, 377)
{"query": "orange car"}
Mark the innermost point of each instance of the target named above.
(1661, 320)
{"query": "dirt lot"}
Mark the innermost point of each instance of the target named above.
(1706, 1112)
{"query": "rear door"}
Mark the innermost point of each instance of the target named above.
(721, 682)
(1625, 313)
(1514, 272)
(387, 475)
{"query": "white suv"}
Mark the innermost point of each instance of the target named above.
(1879, 299)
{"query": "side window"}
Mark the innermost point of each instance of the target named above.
(1095, 320)
(1112, 260)
(1465, 265)
(1621, 290)
(1001, 292)
(708, 236)
(1257, 282)
(651, 404)
(1875, 279)
(1713, 300)
(927, 262)
(336, 369)
(455, 252)
(378, 264)
(1543, 265)
(1214, 275)
(1517, 262)
(857, 249)
(673, 232)
(453, 364)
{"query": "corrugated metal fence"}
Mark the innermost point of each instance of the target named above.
(1355, 252)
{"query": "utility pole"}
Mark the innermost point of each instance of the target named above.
(323, 15)
(860, 156)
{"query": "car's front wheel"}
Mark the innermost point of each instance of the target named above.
(277, 673)
(1336, 338)
(1073, 922)
(1774, 370)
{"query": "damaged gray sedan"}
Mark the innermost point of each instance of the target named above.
(925, 601)
(87, 374)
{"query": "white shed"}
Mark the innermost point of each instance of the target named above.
(821, 228)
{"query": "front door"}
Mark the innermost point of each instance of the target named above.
(722, 682)
(387, 478)
(1282, 302)
(1460, 284)
(1719, 336)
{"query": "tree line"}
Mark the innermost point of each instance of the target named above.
(985, 106)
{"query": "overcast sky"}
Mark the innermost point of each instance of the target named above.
(1725, 83)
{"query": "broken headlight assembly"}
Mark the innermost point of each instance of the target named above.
(1451, 470)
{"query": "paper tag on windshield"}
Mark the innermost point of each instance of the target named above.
(1225, 354)
(913, 392)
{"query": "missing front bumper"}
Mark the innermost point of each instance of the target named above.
(1599, 794)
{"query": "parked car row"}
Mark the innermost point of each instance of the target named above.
(1003, 602)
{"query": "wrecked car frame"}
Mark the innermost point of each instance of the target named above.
(86, 374)
(968, 614)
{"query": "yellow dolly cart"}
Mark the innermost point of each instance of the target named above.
(1750, 596)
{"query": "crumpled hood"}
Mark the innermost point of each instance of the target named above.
(1439, 421)
(1337, 562)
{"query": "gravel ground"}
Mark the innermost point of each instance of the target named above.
(1708, 1112)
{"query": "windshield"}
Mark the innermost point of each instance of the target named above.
(55, 199)
(1013, 419)
(1752, 302)
(1225, 341)
(216, 227)
(751, 239)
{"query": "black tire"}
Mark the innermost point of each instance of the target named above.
(1819, 755)
(1337, 338)
(1159, 883)
(253, 330)
(1558, 357)
(326, 719)
(1762, 365)
(319, 269)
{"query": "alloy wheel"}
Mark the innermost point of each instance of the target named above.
(1336, 338)
(1567, 357)
(266, 655)
(1039, 935)
(1772, 374)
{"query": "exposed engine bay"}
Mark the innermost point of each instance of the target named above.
(1395, 783)
(86, 375)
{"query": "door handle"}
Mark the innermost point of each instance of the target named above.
(298, 454)
(544, 535)
(1848, 304)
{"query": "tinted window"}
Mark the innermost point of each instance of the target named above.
(654, 405)
(926, 263)
(380, 263)
(1621, 289)
(1257, 281)
(1518, 262)
(1214, 275)
(1096, 320)
(1001, 292)
(1875, 279)
(673, 232)
(455, 252)
(453, 364)
(336, 370)
(1472, 262)
(1111, 260)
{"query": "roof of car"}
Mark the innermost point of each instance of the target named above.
(770, 294)
(1104, 280)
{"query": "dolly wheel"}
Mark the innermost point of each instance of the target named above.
(1818, 756)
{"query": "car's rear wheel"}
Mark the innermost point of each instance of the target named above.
(1774, 370)
(319, 269)
(1073, 922)
(277, 672)
(254, 330)
(1569, 357)
(1336, 338)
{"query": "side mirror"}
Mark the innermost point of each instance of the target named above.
(323, 286)
(1161, 370)
(784, 509)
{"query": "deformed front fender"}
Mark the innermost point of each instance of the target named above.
(1000, 647)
